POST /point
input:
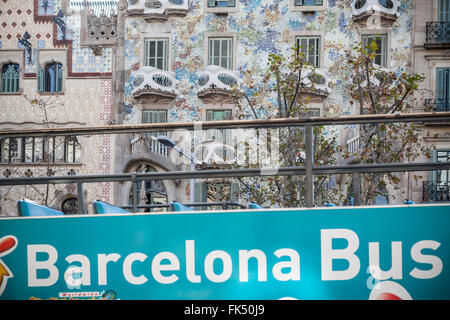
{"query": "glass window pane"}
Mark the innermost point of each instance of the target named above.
(69, 150)
(14, 149)
(28, 155)
(59, 149)
(4, 150)
(77, 152)
(38, 150)
(152, 52)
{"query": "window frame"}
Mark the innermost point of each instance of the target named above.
(47, 152)
(220, 9)
(365, 42)
(4, 69)
(229, 58)
(308, 8)
(165, 54)
(44, 78)
(318, 55)
(226, 134)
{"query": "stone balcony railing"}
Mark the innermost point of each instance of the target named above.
(150, 81)
(143, 143)
(353, 145)
(351, 148)
(157, 10)
(387, 10)
(216, 80)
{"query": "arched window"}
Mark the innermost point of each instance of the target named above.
(70, 206)
(155, 193)
(50, 78)
(10, 77)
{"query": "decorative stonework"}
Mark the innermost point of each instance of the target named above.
(316, 82)
(150, 81)
(375, 13)
(157, 10)
(215, 84)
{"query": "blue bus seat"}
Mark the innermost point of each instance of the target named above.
(252, 205)
(28, 208)
(101, 207)
(176, 206)
(329, 204)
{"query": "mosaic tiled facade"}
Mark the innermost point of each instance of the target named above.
(257, 28)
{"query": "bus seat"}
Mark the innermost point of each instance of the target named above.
(101, 207)
(176, 206)
(28, 208)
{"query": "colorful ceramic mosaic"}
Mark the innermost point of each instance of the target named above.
(261, 27)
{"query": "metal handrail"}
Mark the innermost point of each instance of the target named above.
(309, 170)
(231, 124)
(225, 173)
(193, 204)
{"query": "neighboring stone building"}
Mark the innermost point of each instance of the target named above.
(431, 57)
(50, 77)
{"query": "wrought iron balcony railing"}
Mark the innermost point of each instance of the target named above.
(438, 105)
(438, 33)
(435, 191)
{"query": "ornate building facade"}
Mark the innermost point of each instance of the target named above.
(55, 74)
(156, 61)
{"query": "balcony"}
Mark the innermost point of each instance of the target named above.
(437, 35)
(435, 191)
(153, 83)
(375, 13)
(157, 10)
(143, 143)
(316, 84)
(215, 84)
(352, 149)
(353, 145)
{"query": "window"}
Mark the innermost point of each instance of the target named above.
(73, 150)
(443, 176)
(208, 192)
(308, 2)
(381, 47)
(153, 193)
(219, 135)
(444, 11)
(442, 89)
(50, 78)
(310, 47)
(39, 149)
(157, 53)
(221, 3)
(70, 206)
(438, 189)
(9, 150)
(155, 116)
(221, 52)
(10, 78)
